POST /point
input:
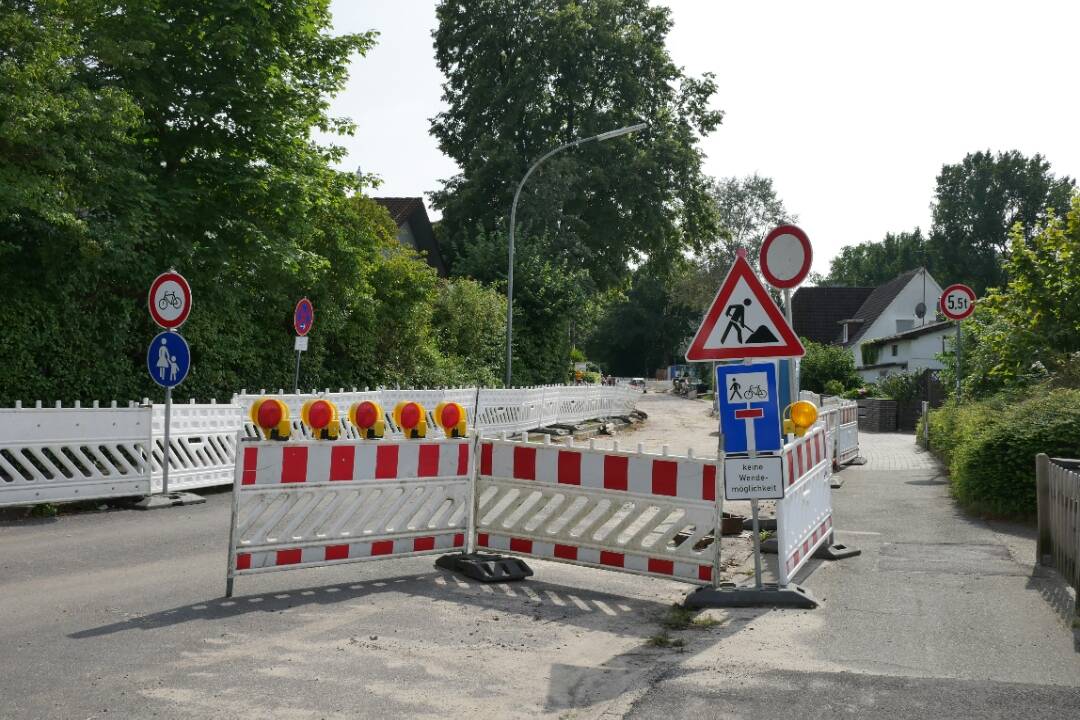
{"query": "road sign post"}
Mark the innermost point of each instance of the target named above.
(957, 303)
(303, 319)
(786, 256)
(168, 360)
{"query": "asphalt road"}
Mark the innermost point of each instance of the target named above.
(121, 615)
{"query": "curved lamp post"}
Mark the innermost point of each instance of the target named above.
(513, 222)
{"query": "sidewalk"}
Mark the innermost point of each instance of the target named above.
(942, 615)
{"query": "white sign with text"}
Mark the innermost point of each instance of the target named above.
(757, 478)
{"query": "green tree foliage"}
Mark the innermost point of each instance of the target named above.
(746, 210)
(825, 364)
(976, 205)
(549, 291)
(524, 76)
(1031, 328)
(140, 135)
(870, 264)
(648, 327)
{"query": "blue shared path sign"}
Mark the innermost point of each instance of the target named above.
(749, 407)
(168, 359)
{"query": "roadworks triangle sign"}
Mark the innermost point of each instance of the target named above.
(743, 322)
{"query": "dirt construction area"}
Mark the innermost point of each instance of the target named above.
(120, 615)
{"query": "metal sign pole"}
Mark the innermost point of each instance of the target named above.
(959, 356)
(793, 382)
(165, 450)
(296, 375)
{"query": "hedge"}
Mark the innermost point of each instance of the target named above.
(990, 446)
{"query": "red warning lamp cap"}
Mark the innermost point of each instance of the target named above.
(410, 416)
(319, 414)
(366, 415)
(269, 414)
(451, 416)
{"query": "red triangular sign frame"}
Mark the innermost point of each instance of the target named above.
(791, 347)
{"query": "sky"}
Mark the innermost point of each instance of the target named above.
(850, 107)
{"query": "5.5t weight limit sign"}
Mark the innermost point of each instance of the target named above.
(957, 302)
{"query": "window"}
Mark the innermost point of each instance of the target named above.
(894, 348)
(845, 339)
(902, 325)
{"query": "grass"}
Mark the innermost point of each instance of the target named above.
(681, 618)
(765, 535)
(664, 640)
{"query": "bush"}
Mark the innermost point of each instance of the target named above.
(899, 386)
(990, 446)
(825, 363)
(834, 387)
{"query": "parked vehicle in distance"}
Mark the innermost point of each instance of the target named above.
(638, 383)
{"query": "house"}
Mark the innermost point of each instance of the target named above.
(891, 328)
(414, 228)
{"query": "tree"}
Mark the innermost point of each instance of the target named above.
(1030, 329)
(648, 327)
(825, 364)
(746, 210)
(976, 204)
(870, 264)
(524, 76)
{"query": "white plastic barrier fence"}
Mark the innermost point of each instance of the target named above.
(804, 515)
(635, 512)
(847, 432)
(73, 453)
(203, 436)
(202, 440)
(308, 503)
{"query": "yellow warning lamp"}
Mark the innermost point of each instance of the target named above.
(368, 418)
(271, 416)
(799, 417)
(411, 418)
(321, 417)
(451, 418)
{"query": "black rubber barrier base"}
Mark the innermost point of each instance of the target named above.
(484, 567)
(825, 552)
(768, 595)
(836, 481)
(835, 552)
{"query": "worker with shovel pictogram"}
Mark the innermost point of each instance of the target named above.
(737, 322)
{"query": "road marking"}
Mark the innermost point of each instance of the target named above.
(857, 532)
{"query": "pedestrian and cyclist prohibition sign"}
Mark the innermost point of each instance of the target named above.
(743, 322)
(169, 300)
(957, 301)
(303, 317)
(786, 256)
(168, 359)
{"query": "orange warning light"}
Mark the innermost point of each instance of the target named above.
(411, 418)
(321, 416)
(451, 418)
(368, 418)
(271, 416)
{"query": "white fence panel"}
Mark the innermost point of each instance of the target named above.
(63, 454)
(202, 445)
(634, 512)
(804, 515)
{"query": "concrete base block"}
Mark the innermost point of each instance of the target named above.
(174, 499)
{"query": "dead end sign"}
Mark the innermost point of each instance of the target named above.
(743, 322)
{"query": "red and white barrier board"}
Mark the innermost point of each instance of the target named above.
(628, 511)
(308, 503)
(804, 516)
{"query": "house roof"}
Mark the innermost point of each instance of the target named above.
(877, 301)
(411, 210)
(817, 311)
(928, 328)
(400, 208)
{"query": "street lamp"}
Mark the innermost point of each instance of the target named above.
(513, 222)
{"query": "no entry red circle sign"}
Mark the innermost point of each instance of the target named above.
(786, 256)
(169, 300)
(957, 301)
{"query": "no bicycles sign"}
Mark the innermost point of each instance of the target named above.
(169, 300)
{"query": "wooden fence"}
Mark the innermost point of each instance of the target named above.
(1058, 488)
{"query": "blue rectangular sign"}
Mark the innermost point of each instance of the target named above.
(749, 407)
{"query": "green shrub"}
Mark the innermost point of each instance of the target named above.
(899, 386)
(834, 387)
(990, 446)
